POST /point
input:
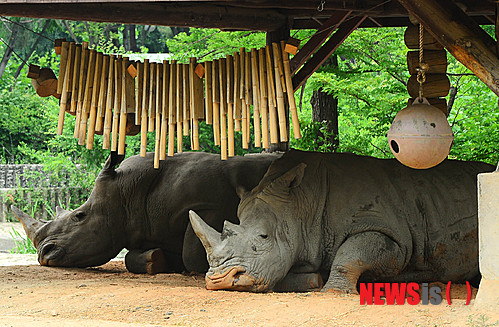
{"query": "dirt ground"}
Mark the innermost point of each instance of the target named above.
(110, 296)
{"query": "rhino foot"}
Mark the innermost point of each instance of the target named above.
(146, 262)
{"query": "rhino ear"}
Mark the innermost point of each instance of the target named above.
(241, 191)
(59, 212)
(282, 185)
(113, 160)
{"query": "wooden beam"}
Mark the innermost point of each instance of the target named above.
(154, 13)
(317, 39)
(462, 37)
(344, 30)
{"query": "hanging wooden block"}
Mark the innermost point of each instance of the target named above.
(82, 80)
(63, 65)
(117, 102)
(46, 83)
(108, 116)
(34, 71)
(436, 85)
(237, 98)
(208, 88)
(76, 79)
(230, 106)
(197, 102)
(172, 109)
(152, 98)
(263, 98)
(292, 45)
(164, 112)
(215, 78)
(132, 70)
(436, 60)
(101, 105)
(271, 96)
(281, 107)
(159, 100)
(95, 100)
(87, 101)
(185, 108)
(256, 98)
(183, 105)
(144, 109)
(411, 39)
(58, 46)
(290, 93)
(199, 70)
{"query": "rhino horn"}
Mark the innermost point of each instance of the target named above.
(59, 212)
(30, 225)
(208, 236)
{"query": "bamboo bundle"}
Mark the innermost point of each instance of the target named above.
(67, 85)
(85, 111)
(117, 102)
(95, 100)
(215, 78)
(101, 105)
(172, 109)
(281, 107)
(263, 98)
(237, 92)
(108, 116)
(290, 92)
(271, 96)
(81, 83)
(230, 105)
(208, 88)
(145, 108)
(164, 109)
(76, 79)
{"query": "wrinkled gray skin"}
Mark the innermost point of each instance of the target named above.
(349, 218)
(141, 208)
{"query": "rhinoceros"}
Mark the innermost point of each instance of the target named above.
(146, 211)
(347, 219)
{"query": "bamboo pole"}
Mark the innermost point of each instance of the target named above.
(172, 109)
(223, 107)
(185, 109)
(182, 105)
(208, 87)
(123, 110)
(95, 100)
(152, 97)
(139, 94)
(117, 103)
(164, 111)
(81, 83)
(248, 93)
(76, 79)
(108, 117)
(197, 101)
(85, 111)
(242, 97)
(236, 85)
(256, 98)
(159, 99)
(101, 106)
(271, 97)
(290, 93)
(215, 76)
(66, 88)
(281, 106)
(230, 105)
(263, 98)
(62, 66)
(145, 108)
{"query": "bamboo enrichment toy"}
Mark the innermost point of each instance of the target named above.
(113, 96)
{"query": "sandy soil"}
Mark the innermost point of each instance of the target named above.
(110, 296)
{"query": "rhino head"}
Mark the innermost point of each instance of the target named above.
(88, 236)
(259, 252)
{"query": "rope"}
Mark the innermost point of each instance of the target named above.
(11, 49)
(21, 25)
(422, 68)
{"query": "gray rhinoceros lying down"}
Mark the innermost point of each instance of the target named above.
(345, 217)
(146, 211)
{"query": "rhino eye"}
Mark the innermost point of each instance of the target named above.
(79, 216)
(264, 236)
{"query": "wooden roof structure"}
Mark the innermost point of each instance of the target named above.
(455, 24)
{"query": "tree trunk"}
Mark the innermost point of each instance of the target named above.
(325, 111)
(8, 50)
(278, 36)
(132, 38)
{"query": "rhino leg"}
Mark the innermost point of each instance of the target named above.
(146, 262)
(368, 252)
(299, 282)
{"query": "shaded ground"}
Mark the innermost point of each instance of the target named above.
(110, 296)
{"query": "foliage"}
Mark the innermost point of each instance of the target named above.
(23, 245)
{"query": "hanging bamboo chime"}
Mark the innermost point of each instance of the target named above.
(113, 96)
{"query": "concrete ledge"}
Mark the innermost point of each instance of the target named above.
(487, 297)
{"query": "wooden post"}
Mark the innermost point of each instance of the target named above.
(145, 108)
(108, 117)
